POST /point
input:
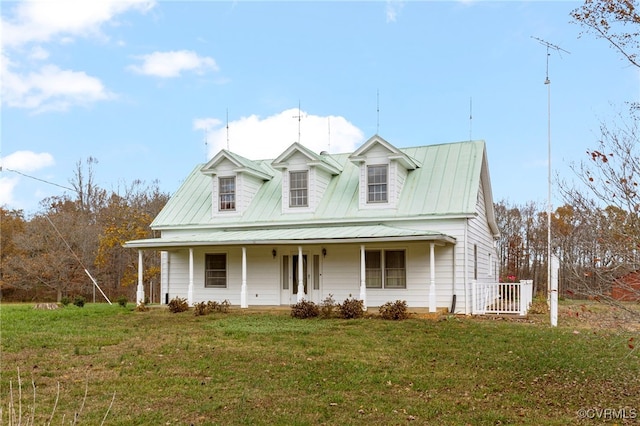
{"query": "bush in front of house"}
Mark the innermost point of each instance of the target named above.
(79, 301)
(122, 301)
(328, 307)
(205, 308)
(394, 310)
(351, 308)
(178, 304)
(305, 309)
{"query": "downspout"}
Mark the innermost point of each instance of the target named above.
(453, 281)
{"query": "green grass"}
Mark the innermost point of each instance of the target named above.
(268, 368)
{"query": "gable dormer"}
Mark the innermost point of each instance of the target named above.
(305, 176)
(383, 170)
(234, 182)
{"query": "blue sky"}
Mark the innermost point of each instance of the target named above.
(148, 88)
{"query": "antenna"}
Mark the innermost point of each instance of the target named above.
(552, 299)
(227, 129)
(470, 117)
(299, 117)
(329, 130)
(549, 46)
(377, 111)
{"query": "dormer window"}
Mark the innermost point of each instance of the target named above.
(299, 189)
(227, 193)
(377, 183)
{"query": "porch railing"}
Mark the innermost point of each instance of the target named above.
(502, 298)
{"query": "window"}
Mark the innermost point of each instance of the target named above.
(377, 184)
(373, 268)
(394, 269)
(298, 189)
(392, 262)
(227, 193)
(215, 270)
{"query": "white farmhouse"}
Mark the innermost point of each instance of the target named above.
(379, 224)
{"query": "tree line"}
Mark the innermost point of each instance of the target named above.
(51, 254)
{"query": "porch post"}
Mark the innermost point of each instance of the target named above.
(301, 294)
(363, 278)
(243, 288)
(432, 285)
(190, 289)
(140, 289)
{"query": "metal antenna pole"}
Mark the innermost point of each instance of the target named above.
(299, 117)
(551, 299)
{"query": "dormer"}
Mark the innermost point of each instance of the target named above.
(383, 170)
(234, 182)
(305, 176)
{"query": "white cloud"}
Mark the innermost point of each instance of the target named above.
(394, 7)
(173, 63)
(27, 161)
(50, 88)
(20, 161)
(256, 138)
(29, 24)
(42, 21)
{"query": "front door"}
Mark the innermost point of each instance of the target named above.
(290, 278)
(295, 275)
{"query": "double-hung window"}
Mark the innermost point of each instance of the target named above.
(377, 183)
(385, 269)
(227, 193)
(299, 189)
(215, 270)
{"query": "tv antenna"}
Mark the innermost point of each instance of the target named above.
(299, 117)
(470, 117)
(377, 112)
(329, 134)
(552, 290)
(550, 46)
(227, 129)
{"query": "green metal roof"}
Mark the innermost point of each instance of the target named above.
(324, 234)
(445, 184)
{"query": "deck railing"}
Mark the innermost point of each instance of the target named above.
(502, 298)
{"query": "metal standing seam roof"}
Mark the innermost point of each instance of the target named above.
(447, 183)
(323, 234)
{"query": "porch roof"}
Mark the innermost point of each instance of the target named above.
(306, 235)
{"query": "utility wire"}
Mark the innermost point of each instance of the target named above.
(35, 178)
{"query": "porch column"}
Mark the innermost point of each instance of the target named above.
(432, 285)
(140, 289)
(190, 289)
(363, 278)
(301, 294)
(243, 288)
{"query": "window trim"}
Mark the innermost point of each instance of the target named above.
(371, 195)
(206, 270)
(221, 194)
(304, 191)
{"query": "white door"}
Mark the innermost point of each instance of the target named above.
(290, 277)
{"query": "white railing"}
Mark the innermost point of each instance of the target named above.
(502, 298)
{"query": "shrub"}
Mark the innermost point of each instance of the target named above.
(65, 301)
(205, 308)
(178, 304)
(304, 309)
(394, 310)
(122, 301)
(79, 301)
(351, 308)
(328, 307)
(141, 307)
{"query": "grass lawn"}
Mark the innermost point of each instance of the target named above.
(248, 367)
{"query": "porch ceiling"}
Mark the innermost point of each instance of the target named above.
(306, 235)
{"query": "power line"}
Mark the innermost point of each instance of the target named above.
(38, 179)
